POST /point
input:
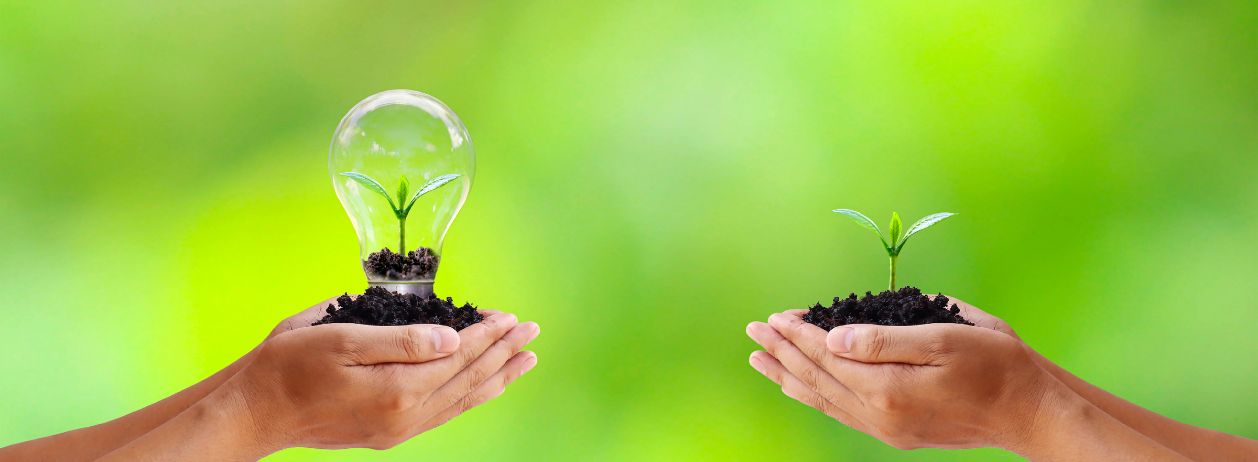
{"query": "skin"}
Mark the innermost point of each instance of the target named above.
(959, 387)
(330, 386)
(1193, 442)
(942, 386)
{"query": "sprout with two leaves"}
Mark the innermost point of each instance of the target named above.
(402, 207)
(897, 239)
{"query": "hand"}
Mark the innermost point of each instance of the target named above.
(980, 318)
(348, 385)
(1195, 442)
(936, 385)
(303, 318)
(90, 443)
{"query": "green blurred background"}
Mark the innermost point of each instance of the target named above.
(651, 177)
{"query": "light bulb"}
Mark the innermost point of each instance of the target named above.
(402, 164)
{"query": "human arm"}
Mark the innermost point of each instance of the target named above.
(344, 385)
(89, 443)
(1192, 441)
(944, 386)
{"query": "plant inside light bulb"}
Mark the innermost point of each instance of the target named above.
(409, 136)
(400, 210)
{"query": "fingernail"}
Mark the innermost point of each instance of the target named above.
(840, 339)
(755, 364)
(530, 363)
(753, 327)
(534, 330)
(444, 339)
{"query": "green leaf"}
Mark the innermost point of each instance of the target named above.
(895, 228)
(860, 219)
(924, 223)
(403, 187)
(428, 187)
(866, 223)
(373, 185)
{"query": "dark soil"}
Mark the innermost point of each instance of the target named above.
(415, 265)
(904, 307)
(381, 307)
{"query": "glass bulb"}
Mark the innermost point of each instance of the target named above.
(402, 164)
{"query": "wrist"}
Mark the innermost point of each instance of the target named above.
(1058, 415)
(242, 420)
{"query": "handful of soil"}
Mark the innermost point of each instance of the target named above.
(905, 307)
(415, 265)
(381, 307)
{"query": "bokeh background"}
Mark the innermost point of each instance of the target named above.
(652, 176)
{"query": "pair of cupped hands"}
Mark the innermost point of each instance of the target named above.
(934, 385)
(338, 386)
(955, 386)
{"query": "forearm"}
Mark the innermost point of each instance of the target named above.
(1191, 441)
(89, 443)
(217, 428)
(1070, 428)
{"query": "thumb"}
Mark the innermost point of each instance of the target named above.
(414, 343)
(920, 345)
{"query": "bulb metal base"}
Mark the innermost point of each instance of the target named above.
(420, 288)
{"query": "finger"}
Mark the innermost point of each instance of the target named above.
(800, 366)
(474, 340)
(519, 365)
(417, 343)
(320, 307)
(303, 318)
(470, 378)
(925, 345)
(770, 367)
(968, 311)
(981, 318)
(811, 341)
(809, 338)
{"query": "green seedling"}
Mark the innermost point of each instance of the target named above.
(897, 239)
(400, 210)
